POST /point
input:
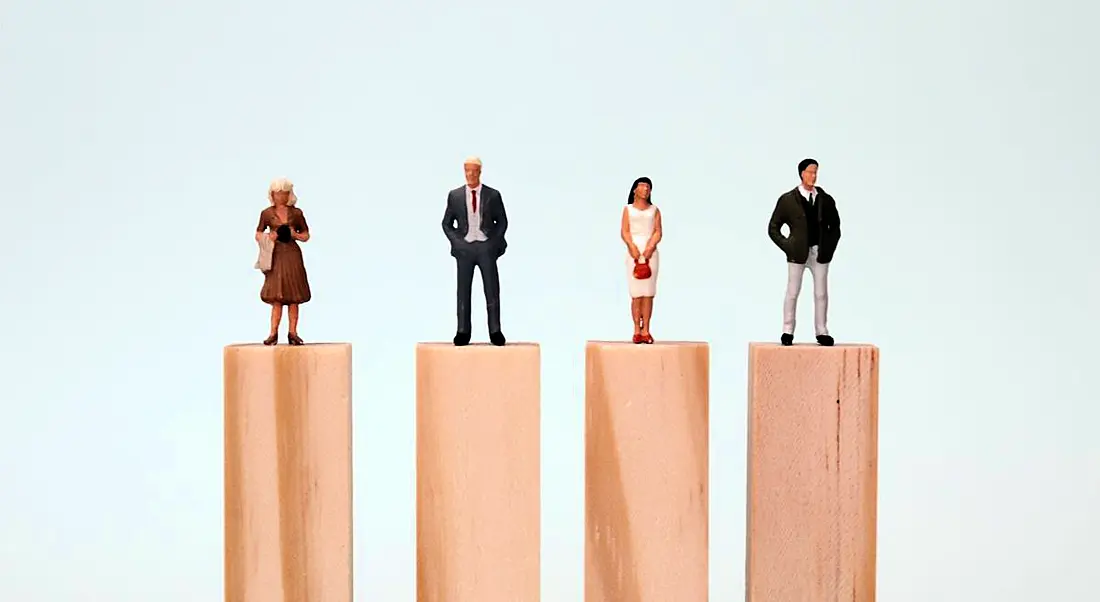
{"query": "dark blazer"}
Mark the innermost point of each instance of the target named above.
(494, 220)
(789, 210)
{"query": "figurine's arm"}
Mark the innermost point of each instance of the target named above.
(658, 233)
(836, 220)
(501, 220)
(302, 232)
(449, 227)
(624, 233)
(262, 226)
(775, 224)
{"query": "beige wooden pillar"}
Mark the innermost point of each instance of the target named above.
(477, 473)
(288, 473)
(813, 473)
(646, 472)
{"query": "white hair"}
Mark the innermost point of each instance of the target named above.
(472, 160)
(281, 185)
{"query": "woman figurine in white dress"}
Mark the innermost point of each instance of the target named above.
(641, 231)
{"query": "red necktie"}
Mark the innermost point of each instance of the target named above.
(474, 193)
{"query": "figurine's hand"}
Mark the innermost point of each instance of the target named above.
(648, 253)
(634, 253)
(272, 235)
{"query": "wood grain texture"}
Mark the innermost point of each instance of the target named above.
(812, 473)
(288, 498)
(646, 472)
(477, 473)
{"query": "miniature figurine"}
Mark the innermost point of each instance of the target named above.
(814, 231)
(285, 281)
(475, 222)
(641, 231)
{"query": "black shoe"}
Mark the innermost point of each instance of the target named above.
(462, 339)
(786, 340)
(824, 340)
(497, 339)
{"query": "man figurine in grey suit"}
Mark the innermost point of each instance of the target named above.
(814, 232)
(475, 223)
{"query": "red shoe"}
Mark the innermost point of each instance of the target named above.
(647, 339)
(638, 339)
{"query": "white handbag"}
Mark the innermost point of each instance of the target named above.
(267, 248)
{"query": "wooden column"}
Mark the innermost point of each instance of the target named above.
(477, 473)
(288, 473)
(812, 474)
(646, 472)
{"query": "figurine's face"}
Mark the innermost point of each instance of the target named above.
(641, 191)
(473, 174)
(809, 177)
(281, 197)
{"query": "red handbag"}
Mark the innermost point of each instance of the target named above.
(642, 271)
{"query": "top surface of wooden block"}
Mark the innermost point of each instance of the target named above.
(476, 357)
(282, 346)
(812, 347)
(442, 345)
(656, 344)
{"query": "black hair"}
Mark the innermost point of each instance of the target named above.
(804, 164)
(633, 187)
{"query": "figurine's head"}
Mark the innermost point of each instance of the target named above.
(472, 167)
(640, 190)
(807, 170)
(281, 192)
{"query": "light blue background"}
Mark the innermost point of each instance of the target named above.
(137, 140)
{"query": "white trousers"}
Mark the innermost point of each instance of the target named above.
(820, 273)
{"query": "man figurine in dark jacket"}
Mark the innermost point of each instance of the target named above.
(475, 222)
(813, 233)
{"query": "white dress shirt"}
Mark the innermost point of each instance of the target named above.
(474, 234)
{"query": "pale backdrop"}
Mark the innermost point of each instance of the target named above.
(137, 140)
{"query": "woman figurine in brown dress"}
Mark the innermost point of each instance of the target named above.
(286, 282)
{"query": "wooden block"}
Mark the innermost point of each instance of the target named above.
(812, 474)
(477, 473)
(288, 473)
(646, 472)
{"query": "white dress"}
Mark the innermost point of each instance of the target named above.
(641, 228)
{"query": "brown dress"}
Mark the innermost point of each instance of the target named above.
(286, 283)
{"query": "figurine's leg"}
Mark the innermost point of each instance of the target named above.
(790, 302)
(636, 313)
(276, 317)
(465, 283)
(490, 280)
(292, 314)
(647, 313)
(820, 272)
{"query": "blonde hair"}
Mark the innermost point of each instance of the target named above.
(473, 160)
(281, 185)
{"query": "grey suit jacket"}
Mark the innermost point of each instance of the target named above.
(494, 220)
